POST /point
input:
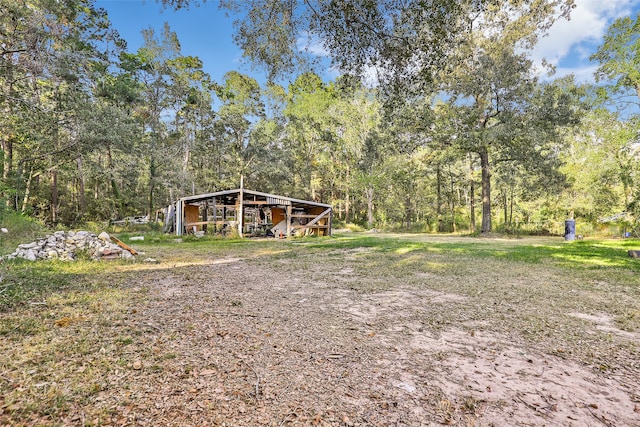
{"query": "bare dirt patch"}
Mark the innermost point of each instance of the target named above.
(280, 342)
(604, 322)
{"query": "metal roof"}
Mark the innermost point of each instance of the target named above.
(272, 199)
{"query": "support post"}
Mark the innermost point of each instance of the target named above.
(240, 213)
(331, 223)
(179, 217)
(288, 221)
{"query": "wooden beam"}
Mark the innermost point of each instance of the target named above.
(191, 224)
(124, 245)
(240, 215)
(319, 217)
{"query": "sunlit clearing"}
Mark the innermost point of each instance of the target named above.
(406, 249)
(596, 261)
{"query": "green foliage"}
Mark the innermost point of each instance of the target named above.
(20, 229)
(619, 55)
(114, 133)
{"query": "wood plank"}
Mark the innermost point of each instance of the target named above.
(310, 226)
(255, 202)
(319, 217)
(190, 224)
(302, 216)
(124, 245)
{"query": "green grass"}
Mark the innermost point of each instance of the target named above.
(592, 254)
(21, 229)
(32, 281)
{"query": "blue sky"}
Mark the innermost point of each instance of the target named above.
(203, 31)
(206, 32)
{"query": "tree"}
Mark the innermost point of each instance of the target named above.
(174, 87)
(406, 42)
(356, 114)
(601, 163)
(492, 85)
(49, 53)
(310, 131)
(241, 108)
(619, 55)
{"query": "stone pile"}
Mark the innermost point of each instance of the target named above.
(65, 245)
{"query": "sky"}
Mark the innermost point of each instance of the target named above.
(206, 32)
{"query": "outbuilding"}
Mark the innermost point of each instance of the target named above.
(251, 213)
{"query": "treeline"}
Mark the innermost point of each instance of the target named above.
(90, 131)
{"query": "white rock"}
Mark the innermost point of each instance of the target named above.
(30, 255)
(104, 236)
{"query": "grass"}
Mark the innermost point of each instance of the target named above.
(64, 324)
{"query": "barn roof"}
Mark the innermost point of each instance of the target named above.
(271, 199)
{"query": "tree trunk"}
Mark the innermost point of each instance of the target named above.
(511, 206)
(472, 200)
(152, 180)
(81, 189)
(112, 180)
(453, 203)
(407, 208)
(7, 167)
(439, 198)
(486, 191)
(505, 200)
(54, 196)
(27, 192)
(347, 196)
(7, 137)
(369, 194)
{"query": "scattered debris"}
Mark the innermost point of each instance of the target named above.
(66, 245)
(135, 238)
(131, 220)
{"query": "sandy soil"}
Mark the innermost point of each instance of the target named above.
(238, 343)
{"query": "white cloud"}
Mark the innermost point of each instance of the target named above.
(312, 45)
(580, 36)
(582, 74)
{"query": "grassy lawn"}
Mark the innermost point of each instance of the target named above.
(66, 328)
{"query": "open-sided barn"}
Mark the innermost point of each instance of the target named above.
(251, 213)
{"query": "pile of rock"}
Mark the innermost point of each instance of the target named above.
(65, 245)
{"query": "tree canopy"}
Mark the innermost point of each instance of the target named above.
(457, 117)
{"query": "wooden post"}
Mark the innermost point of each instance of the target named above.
(215, 216)
(204, 215)
(331, 223)
(288, 221)
(240, 213)
(179, 217)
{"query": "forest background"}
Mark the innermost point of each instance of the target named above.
(439, 121)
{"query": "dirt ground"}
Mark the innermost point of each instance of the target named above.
(242, 342)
